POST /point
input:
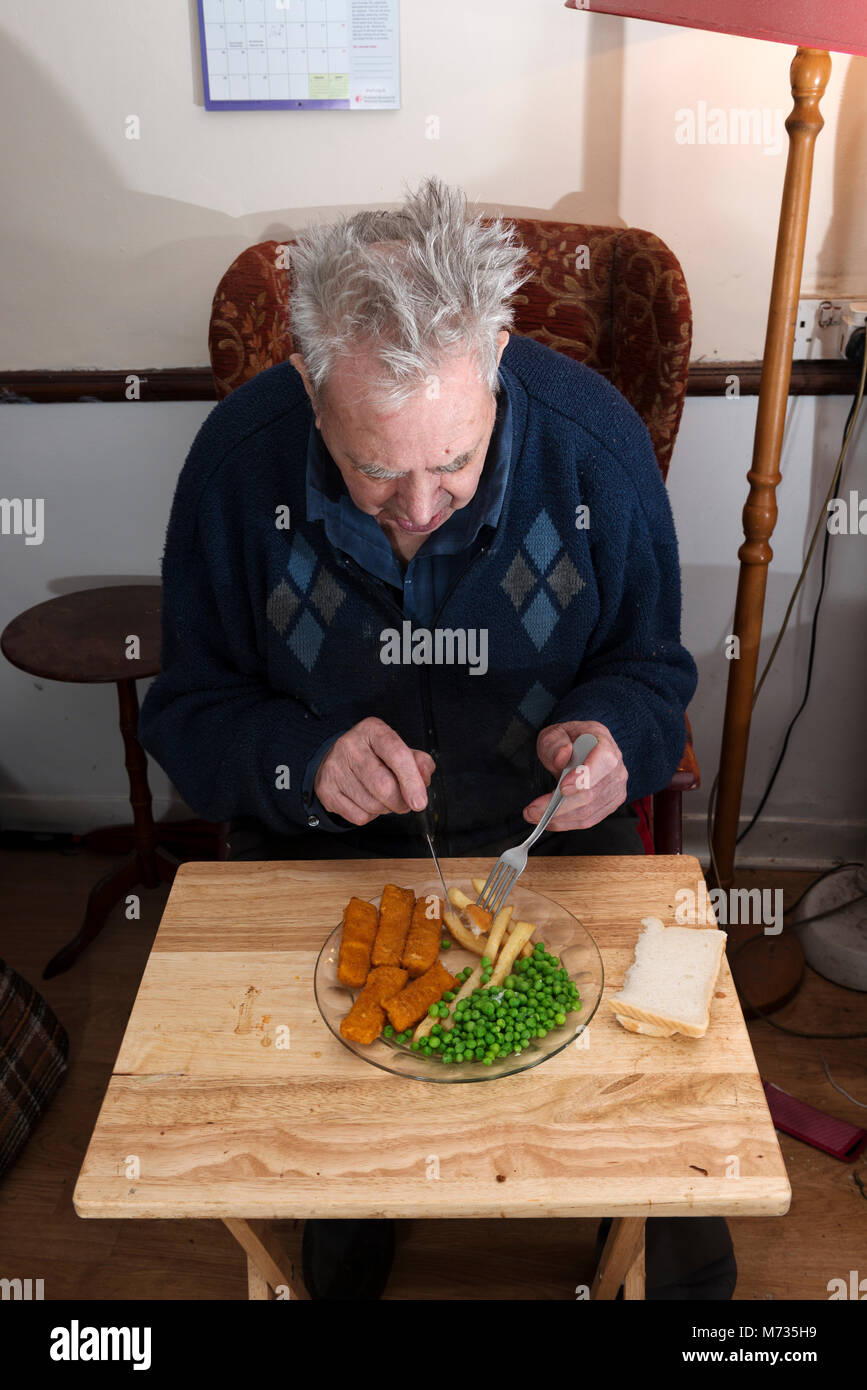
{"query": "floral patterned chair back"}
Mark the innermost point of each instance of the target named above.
(614, 298)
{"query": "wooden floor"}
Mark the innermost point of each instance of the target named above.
(43, 893)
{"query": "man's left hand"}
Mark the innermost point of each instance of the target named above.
(591, 792)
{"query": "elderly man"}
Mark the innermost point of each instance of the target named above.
(407, 569)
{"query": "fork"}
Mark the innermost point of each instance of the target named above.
(512, 862)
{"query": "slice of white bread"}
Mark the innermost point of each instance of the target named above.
(651, 1028)
(669, 986)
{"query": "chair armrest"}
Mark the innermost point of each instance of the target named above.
(687, 777)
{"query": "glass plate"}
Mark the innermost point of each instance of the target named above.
(562, 934)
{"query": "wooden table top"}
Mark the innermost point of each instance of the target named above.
(205, 1117)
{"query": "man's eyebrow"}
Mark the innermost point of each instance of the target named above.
(459, 459)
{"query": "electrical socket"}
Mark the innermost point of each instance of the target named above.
(854, 317)
(824, 326)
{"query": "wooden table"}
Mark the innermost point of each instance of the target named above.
(209, 1114)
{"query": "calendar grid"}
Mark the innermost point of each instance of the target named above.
(303, 54)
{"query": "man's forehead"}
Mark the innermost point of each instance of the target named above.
(355, 376)
(444, 415)
(370, 439)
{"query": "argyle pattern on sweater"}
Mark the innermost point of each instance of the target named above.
(273, 641)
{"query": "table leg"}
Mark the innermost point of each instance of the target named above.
(633, 1284)
(622, 1260)
(257, 1284)
(268, 1266)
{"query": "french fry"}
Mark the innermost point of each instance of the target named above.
(478, 884)
(498, 931)
(467, 938)
(509, 954)
(470, 983)
(458, 897)
(527, 949)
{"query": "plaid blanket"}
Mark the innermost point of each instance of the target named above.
(34, 1048)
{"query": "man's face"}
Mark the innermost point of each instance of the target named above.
(413, 465)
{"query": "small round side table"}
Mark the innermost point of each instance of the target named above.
(83, 637)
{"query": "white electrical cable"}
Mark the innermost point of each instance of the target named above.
(861, 1103)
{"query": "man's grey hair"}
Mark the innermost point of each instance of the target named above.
(439, 286)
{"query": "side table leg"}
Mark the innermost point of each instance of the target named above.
(148, 864)
(622, 1259)
(267, 1261)
(139, 792)
(101, 899)
(167, 865)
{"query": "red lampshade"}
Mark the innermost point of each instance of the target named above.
(837, 25)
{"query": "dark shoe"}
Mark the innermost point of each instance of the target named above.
(686, 1257)
(347, 1259)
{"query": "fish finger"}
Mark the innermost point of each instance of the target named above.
(413, 1002)
(360, 925)
(366, 1019)
(425, 934)
(395, 915)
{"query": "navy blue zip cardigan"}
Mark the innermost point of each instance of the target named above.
(272, 641)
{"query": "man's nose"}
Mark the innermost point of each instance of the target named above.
(419, 493)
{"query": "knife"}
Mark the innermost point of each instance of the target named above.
(427, 823)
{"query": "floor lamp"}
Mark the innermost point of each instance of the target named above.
(839, 26)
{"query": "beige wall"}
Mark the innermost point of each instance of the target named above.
(112, 247)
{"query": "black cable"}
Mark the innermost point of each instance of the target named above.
(813, 633)
(766, 1018)
(795, 1032)
(837, 869)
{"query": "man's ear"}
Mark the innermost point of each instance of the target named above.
(301, 368)
(502, 338)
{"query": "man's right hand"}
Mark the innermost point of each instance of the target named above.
(369, 771)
